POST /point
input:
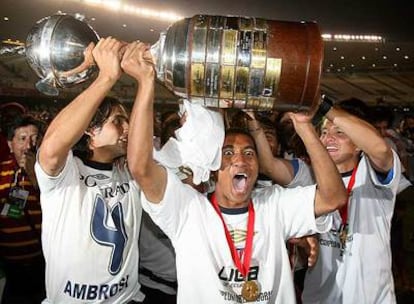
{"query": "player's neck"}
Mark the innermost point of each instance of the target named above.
(346, 166)
(102, 156)
(225, 202)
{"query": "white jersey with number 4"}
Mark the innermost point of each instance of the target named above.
(91, 219)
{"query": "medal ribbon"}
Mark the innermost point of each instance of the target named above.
(244, 266)
(344, 210)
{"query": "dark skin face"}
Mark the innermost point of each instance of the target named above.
(238, 172)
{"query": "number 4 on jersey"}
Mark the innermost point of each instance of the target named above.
(106, 235)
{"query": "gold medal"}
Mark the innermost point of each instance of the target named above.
(250, 291)
(342, 238)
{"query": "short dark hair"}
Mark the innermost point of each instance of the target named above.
(355, 106)
(381, 113)
(236, 131)
(168, 129)
(22, 121)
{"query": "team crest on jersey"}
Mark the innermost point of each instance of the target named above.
(238, 235)
(100, 176)
(90, 180)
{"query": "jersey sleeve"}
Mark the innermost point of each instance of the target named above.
(172, 211)
(393, 177)
(303, 176)
(295, 210)
(46, 182)
(299, 213)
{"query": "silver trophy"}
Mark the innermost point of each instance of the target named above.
(57, 50)
(216, 61)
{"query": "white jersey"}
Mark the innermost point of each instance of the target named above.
(362, 274)
(303, 174)
(91, 219)
(205, 269)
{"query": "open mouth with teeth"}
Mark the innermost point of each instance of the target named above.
(240, 182)
(331, 149)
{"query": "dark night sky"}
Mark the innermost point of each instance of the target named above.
(388, 18)
(391, 19)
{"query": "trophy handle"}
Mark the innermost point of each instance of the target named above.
(13, 50)
(157, 53)
(48, 85)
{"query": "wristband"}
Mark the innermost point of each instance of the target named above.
(325, 105)
(324, 108)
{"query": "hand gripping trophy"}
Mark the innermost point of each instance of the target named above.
(216, 61)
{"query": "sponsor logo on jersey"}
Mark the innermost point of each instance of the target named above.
(107, 191)
(112, 192)
(234, 275)
(331, 239)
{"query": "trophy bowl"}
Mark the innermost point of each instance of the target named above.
(58, 49)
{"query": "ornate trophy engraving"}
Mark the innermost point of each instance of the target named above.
(216, 61)
(242, 62)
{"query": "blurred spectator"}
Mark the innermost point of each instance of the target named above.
(20, 218)
(407, 126)
(8, 111)
(382, 118)
(407, 132)
(170, 121)
(270, 133)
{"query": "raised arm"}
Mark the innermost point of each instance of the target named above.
(151, 177)
(364, 136)
(278, 169)
(331, 193)
(69, 125)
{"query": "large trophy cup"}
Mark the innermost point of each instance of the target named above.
(216, 61)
